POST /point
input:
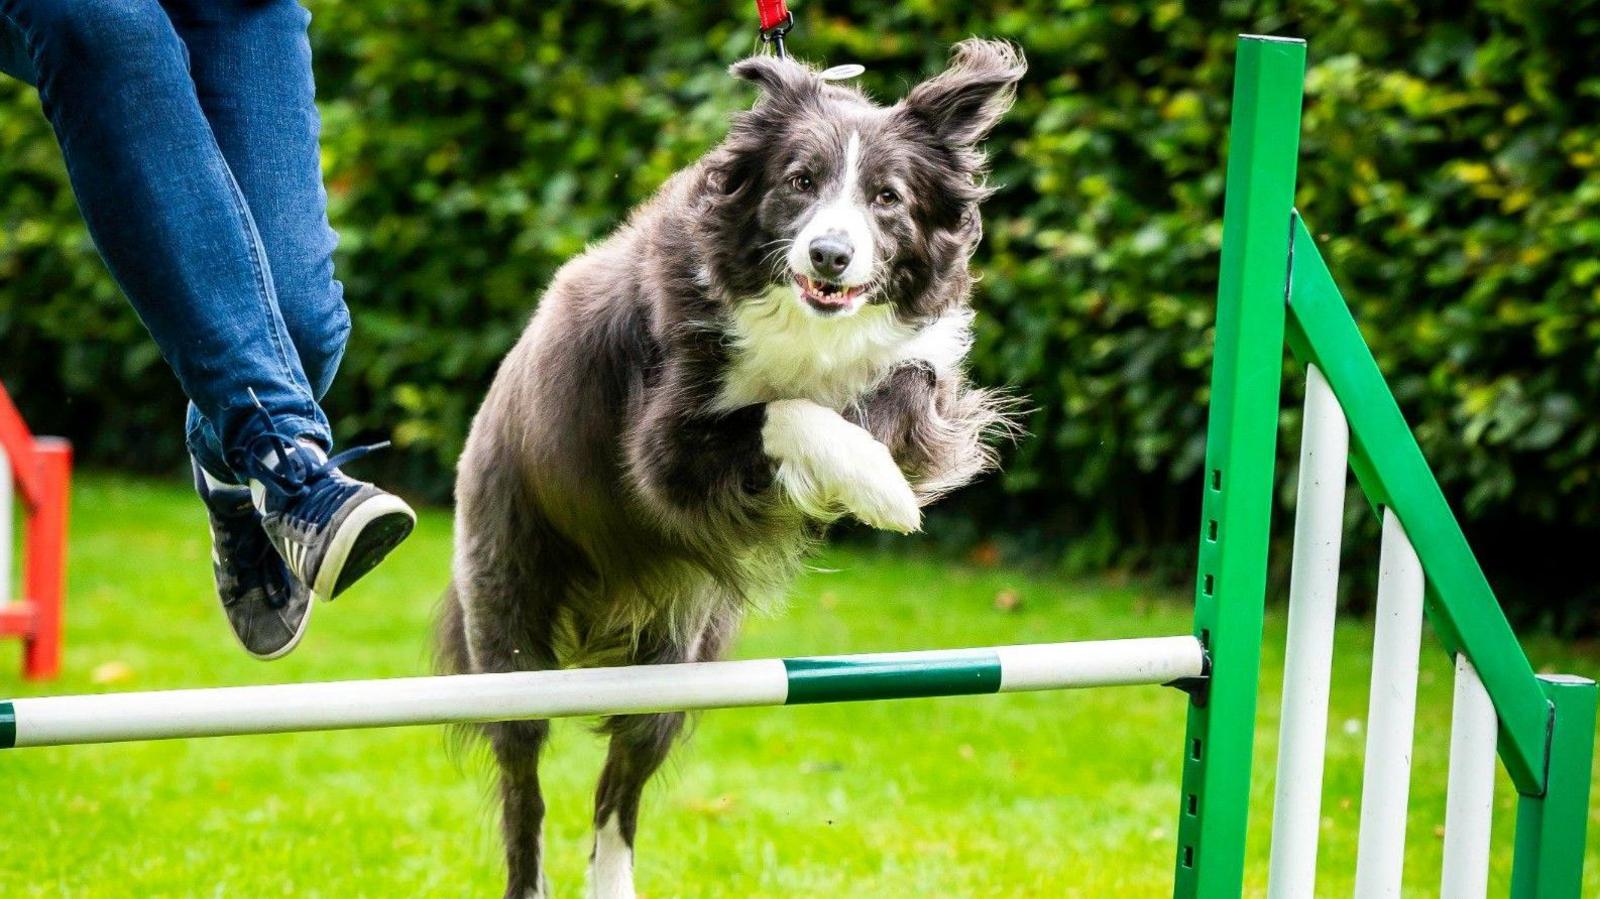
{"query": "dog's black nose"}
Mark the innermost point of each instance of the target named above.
(830, 256)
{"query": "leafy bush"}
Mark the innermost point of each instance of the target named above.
(1450, 159)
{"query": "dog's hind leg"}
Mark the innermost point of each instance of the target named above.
(516, 748)
(514, 576)
(517, 745)
(504, 622)
(511, 643)
(639, 744)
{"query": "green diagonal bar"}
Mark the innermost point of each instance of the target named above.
(8, 725)
(1241, 447)
(1393, 472)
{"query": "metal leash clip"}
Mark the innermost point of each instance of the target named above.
(775, 34)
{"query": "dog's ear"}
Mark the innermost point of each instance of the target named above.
(961, 104)
(779, 78)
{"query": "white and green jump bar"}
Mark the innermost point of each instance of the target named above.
(582, 692)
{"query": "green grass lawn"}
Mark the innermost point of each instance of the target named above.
(1066, 794)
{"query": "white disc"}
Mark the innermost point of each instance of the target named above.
(843, 72)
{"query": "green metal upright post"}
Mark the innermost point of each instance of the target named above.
(1241, 447)
(1548, 863)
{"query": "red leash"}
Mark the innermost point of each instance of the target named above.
(776, 21)
(773, 13)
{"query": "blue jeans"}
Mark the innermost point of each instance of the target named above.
(190, 137)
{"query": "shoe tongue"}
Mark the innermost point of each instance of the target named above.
(218, 486)
(272, 461)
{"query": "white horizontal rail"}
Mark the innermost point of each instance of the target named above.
(1469, 801)
(1391, 716)
(1308, 651)
(222, 711)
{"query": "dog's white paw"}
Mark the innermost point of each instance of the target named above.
(611, 866)
(825, 463)
(880, 496)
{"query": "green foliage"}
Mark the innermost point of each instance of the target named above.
(1450, 158)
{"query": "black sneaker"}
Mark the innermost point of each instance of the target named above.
(328, 527)
(266, 607)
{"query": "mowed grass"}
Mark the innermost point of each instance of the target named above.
(1066, 794)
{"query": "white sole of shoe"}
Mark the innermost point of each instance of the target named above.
(350, 530)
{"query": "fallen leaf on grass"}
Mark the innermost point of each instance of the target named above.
(113, 672)
(713, 807)
(985, 554)
(83, 804)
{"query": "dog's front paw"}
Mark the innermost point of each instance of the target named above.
(879, 496)
(826, 463)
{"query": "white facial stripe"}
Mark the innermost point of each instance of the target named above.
(844, 213)
(852, 163)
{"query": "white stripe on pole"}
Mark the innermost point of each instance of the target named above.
(221, 711)
(1391, 716)
(1469, 803)
(460, 698)
(1103, 663)
(7, 511)
(1308, 652)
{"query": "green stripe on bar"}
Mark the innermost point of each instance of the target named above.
(841, 679)
(8, 725)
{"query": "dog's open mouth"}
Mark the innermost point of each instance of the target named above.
(826, 296)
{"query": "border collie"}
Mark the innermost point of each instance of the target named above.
(775, 340)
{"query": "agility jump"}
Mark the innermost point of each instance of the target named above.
(1274, 288)
(583, 692)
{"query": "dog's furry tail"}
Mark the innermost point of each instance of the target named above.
(450, 636)
(450, 657)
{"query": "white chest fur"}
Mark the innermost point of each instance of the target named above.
(781, 351)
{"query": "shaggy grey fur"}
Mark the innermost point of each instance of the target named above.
(609, 511)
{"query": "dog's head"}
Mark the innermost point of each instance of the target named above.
(850, 203)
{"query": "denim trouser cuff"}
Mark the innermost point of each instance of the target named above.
(206, 447)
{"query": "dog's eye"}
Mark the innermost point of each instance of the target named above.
(886, 197)
(802, 183)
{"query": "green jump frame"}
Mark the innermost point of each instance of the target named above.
(1274, 291)
(1241, 447)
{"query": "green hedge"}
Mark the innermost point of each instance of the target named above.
(1451, 158)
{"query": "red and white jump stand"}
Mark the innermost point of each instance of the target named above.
(38, 470)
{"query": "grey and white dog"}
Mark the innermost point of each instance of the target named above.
(775, 340)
